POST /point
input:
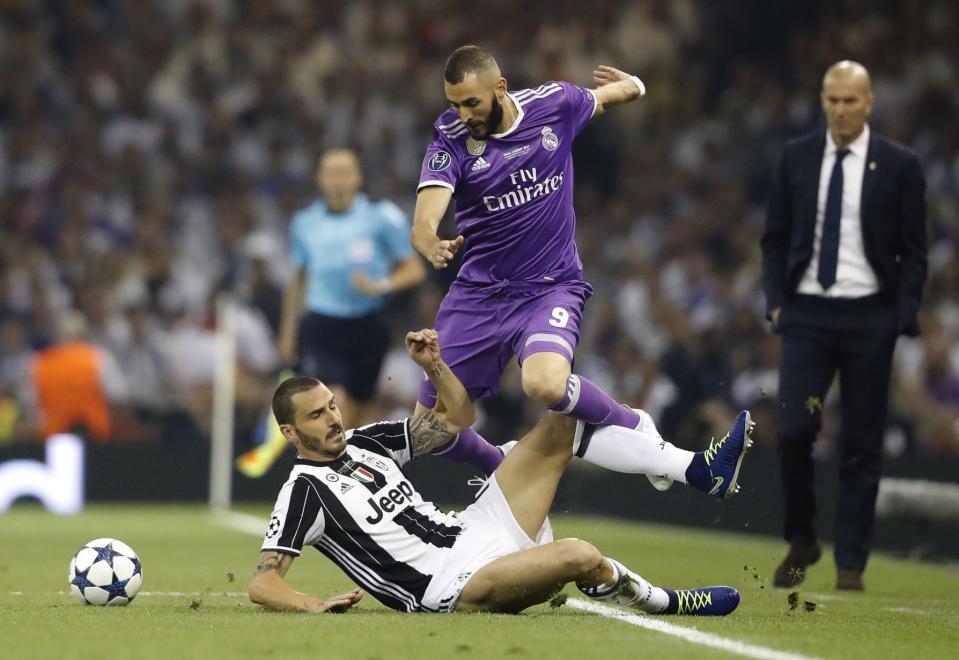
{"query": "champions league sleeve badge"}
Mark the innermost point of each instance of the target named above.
(475, 147)
(273, 528)
(550, 139)
(439, 162)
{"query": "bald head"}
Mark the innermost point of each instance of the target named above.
(846, 98)
(848, 72)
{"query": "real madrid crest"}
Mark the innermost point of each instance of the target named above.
(550, 139)
(475, 147)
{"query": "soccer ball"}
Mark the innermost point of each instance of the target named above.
(105, 572)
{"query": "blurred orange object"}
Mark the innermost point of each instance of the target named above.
(70, 395)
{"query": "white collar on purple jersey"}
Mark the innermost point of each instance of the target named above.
(519, 118)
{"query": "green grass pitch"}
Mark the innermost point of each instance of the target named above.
(195, 570)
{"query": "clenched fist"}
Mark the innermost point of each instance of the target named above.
(423, 346)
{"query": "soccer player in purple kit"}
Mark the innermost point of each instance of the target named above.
(505, 158)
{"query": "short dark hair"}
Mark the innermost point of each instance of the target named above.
(283, 396)
(466, 60)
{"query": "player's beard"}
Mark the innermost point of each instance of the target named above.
(492, 122)
(320, 445)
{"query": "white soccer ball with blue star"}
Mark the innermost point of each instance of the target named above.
(105, 572)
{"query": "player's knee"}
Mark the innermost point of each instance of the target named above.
(544, 386)
(580, 557)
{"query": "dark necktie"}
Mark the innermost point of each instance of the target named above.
(829, 245)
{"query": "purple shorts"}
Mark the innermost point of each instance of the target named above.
(481, 329)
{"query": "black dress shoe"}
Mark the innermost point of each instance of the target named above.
(792, 570)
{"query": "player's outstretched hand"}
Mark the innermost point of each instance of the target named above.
(336, 604)
(604, 75)
(443, 252)
(423, 346)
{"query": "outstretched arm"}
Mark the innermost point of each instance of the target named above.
(614, 87)
(453, 411)
(269, 588)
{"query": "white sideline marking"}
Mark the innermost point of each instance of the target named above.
(906, 610)
(230, 594)
(686, 634)
(826, 596)
(242, 522)
(253, 525)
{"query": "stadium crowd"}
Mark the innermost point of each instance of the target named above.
(152, 154)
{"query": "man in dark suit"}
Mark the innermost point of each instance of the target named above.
(844, 264)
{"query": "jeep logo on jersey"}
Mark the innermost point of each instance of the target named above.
(388, 503)
(439, 162)
(550, 139)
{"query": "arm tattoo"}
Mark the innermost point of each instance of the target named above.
(269, 563)
(428, 433)
(437, 368)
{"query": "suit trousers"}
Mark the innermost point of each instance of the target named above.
(820, 336)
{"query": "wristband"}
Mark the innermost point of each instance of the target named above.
(383, 286)
(639, 83)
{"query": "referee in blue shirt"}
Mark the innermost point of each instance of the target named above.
(350, 253)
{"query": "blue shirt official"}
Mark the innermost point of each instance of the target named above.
(369, 237)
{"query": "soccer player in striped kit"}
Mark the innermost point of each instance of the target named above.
(348, 497)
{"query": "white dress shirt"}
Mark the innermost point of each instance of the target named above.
(854, 276)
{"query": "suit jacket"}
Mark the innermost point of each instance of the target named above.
(892, 215)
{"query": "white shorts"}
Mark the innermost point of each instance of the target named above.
(490, 532)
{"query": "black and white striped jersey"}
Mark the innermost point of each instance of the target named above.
(362, 512)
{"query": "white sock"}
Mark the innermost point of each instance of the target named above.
(635, 452)
(615, 565)
(656, 599)
(631, 590)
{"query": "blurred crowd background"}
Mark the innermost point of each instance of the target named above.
(152, 154)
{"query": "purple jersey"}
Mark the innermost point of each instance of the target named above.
(514, 190)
